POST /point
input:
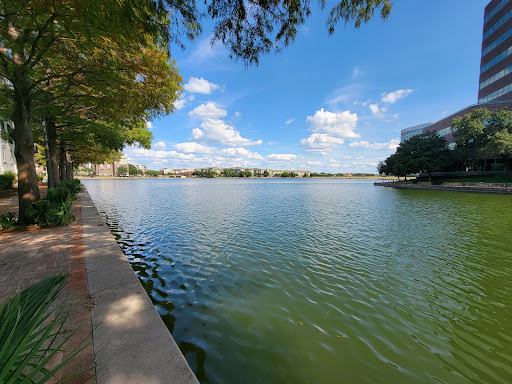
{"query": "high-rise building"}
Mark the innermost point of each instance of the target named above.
(496, 63)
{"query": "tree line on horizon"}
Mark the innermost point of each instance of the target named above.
(82, 77)
(478, 135)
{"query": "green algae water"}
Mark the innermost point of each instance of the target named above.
(322, 281)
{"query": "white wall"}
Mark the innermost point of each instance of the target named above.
(7, 159)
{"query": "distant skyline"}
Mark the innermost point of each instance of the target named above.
(326, 103)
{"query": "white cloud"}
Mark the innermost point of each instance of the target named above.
(150, 154)
(356, 72)
(339, 125)
(376, 110)
(217, 131)
(208, 110)
(159, 145)
(282, 156)
(289, 121)
(393, 97)
(238, 153)
(390, 145)
(313, 162)
(179, 104)
(200, 85)
(237, 115)
(320, 142)
(191, 98)
(334, 165)
(193, 147)
(346, 94)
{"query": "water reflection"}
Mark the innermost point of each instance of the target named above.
(321, 281)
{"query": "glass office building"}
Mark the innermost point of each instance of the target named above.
(496, 63)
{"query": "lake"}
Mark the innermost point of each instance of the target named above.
(322, 280)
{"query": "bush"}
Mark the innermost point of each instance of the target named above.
(8, 220)
(56, 208)
(73, 186)
(32, 333)
(7, 180)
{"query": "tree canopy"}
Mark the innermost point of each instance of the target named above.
(484, 132)
(422, 153)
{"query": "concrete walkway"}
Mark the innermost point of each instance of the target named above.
(131, 342)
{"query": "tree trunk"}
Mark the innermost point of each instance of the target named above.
(506, 161)
(52, 149)
(69, 167)
(49, 170)
(28, 191)
(62, 166)
(430, 176)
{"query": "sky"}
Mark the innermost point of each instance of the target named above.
(331, 104)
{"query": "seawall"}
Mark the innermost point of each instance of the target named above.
(454, 187)
(131, 342)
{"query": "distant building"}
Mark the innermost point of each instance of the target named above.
(142, 168)
(7, 160)
(111, 169)
(407, 133)
(164, 171)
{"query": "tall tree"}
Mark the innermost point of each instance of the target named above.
(483, 133)
(422, 153)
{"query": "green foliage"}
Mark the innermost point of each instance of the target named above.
(73, 186)
(7, 180)
(263, 26)
(483, 132)
(228, 173)
(422, 153)
(266, 173)
(152, 173)
(56, 208)
(122, 169)
(245, 174)
(294, 174)
(285, 174)
(133, 170)
(8, 220)
(32, 333)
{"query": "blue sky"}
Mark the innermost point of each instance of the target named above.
(326, 103)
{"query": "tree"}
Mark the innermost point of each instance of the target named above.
(133, 170)
(482, 133)
(285, 174)
(151, 173)
(35, 33)
(265, 173)
(122, 170)
(422, 153)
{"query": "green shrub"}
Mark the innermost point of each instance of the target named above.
(32, 333)
(46, 214)
(7, 180)
(72, 185)
(8, 220)
(40, 177)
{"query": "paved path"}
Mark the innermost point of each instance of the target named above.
(30, 256)
(131, 342)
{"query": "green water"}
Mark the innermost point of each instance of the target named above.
(322, 281)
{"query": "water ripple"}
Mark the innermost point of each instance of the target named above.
(321, 281)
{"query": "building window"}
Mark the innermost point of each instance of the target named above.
(498, 24)
(497, 42)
